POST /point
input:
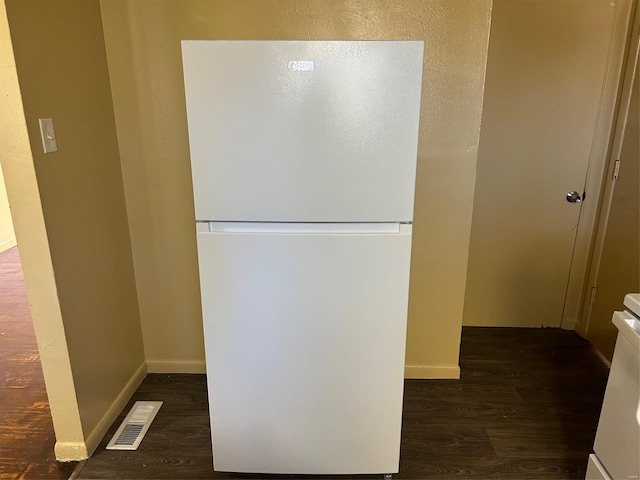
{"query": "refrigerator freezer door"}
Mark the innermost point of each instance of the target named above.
(305, 341)
(303, 131)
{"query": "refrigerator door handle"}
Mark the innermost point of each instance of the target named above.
(388, 228)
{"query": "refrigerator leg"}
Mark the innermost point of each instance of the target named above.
(387, 476)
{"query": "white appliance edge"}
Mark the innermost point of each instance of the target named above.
(617, 442)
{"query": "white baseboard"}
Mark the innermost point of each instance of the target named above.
(70, 451)
(432, 371)
(198, 366)
(176, 366)
(93, 439)
(7, 244)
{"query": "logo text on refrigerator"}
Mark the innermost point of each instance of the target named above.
(301, 65)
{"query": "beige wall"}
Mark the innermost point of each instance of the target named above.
(62, 71)
(22, 188)
(143, 48)
(7, 235)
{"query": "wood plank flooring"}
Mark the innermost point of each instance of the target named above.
(26, 430)
(526, 407)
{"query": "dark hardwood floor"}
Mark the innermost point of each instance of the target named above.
(526, 407)
(26, 430)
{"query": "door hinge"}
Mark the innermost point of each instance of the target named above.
(616, 169)
(592, 300)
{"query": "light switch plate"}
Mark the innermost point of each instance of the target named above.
(48, 135)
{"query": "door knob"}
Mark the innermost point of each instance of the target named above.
(573, 197)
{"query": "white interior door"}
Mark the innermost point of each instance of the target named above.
(305, 341)
(546, 67)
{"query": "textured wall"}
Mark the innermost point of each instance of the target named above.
(143, 49)
(62, 69)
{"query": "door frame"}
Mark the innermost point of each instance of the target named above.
(586, 229)
(628, 72)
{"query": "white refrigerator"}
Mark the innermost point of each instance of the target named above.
(303, 158)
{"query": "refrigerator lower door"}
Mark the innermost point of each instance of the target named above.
(305, 339)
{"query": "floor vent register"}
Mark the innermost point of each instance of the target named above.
(134, 427)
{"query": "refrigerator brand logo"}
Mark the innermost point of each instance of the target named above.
(301, 65)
